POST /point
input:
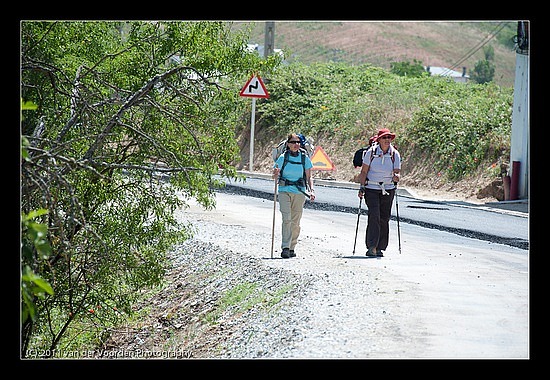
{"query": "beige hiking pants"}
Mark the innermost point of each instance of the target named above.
(291, 206)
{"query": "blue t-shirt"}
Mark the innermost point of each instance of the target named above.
(293, 171)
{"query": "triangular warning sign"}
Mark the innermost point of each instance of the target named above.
(254, 88)
(320, 160)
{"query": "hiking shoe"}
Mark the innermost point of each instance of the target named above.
(379, 254)
(291, 253)
(286, 253)
(370, 253)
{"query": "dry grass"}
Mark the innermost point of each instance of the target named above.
(434, 43)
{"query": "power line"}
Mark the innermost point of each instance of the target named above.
(480, 44)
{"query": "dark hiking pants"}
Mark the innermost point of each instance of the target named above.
(378, 221)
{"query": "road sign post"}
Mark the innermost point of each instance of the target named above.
(254, 88)
(252, 126)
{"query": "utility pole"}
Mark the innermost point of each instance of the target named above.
(519, 150)
(269, 43)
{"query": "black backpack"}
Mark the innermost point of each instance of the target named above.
(358, 156)
(360, 153)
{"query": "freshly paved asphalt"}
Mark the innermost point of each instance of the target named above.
(499, 222)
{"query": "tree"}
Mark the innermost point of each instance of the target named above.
(484, 70)
(133, 120)
(405, 68)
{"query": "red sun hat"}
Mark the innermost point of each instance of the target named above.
(384, 132)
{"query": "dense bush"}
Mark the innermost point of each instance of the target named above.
(459, 125)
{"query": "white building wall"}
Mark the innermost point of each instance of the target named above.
(519, 150)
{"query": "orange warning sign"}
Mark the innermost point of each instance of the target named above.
(321, 161)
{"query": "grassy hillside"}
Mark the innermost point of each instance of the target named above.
(450, 44)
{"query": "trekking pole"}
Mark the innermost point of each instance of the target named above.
(357, 226)
(397, 212)
(274, 208)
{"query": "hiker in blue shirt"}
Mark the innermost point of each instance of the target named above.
(378, 178)
(293, 170)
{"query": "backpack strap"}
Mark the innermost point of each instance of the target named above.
(300, 182)
(392, 153)
(373, 150)
(285, 161)
(304, 167)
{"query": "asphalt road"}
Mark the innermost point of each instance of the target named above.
(497, 223)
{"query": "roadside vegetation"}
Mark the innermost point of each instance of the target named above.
(456, 127)
(124, 122)
(120, 108)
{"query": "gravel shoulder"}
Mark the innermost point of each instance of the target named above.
(447, 297)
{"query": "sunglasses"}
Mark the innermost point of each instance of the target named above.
(294, 142)
(384, 137)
